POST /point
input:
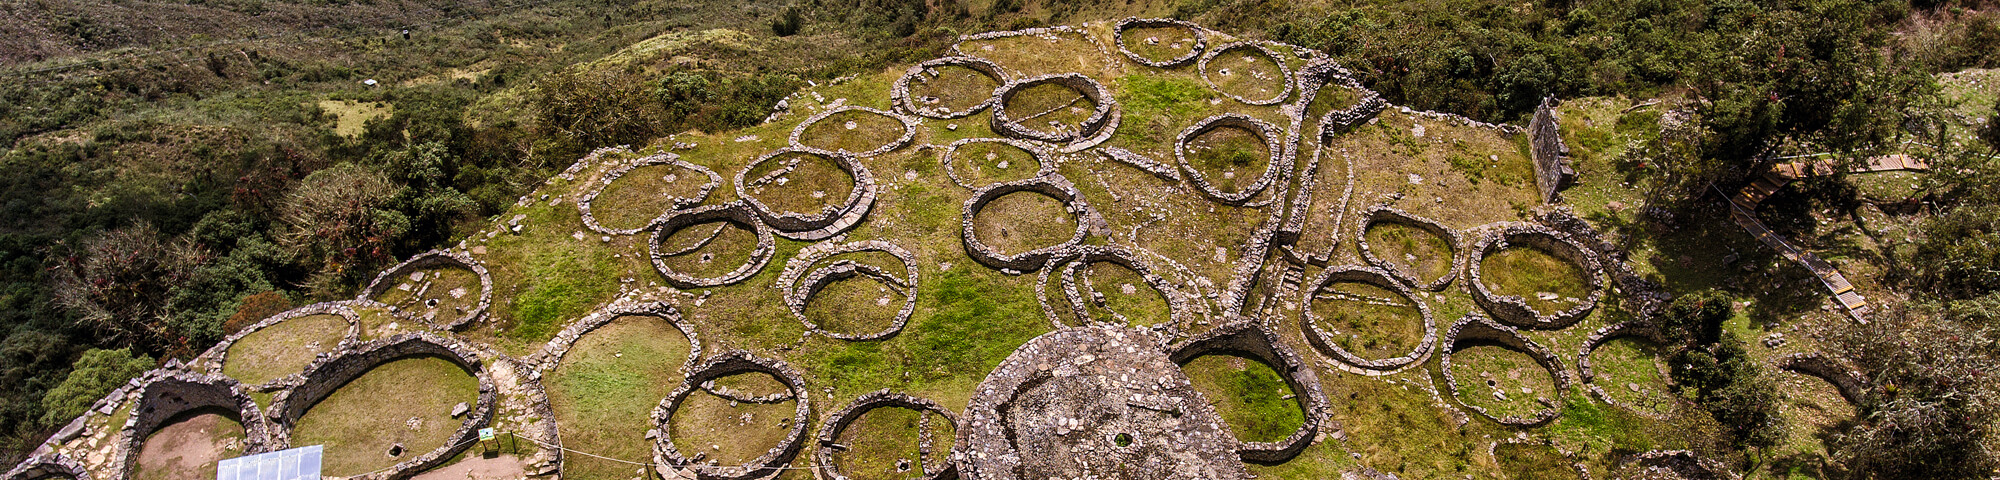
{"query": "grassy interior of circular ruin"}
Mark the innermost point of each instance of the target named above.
(712, 249)
(1531, 460)
(883, 445)
(1421, 254)
(604, 390)
(642, 194)
(728, 431)
(1249, 395)
(1230, 157)
(1521, 384)
(406, 401)
(283, 349)
(1633, 372)
(1022, 221)
(858, 305)
(1124, 294)
(954, 88)
(852, 131)
(1369, 321)
(188, 446)
(802, 183)
(454, 290)
(1548, 283)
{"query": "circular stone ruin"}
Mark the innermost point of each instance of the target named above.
(850, 130)
(427, 310)
(1325, 340)
(1514, 309)
(1093, 402)
(1265, 132)
(942, 74)
(48, 466)
(1283, 73)
(1249, 339)
(166, 396)
(1320, 73)
(1051, 186)
(672, 463)
(679, 203)
(292, 358)
(826, 222)
(1476, 330)
(331, 373)
(1010, 119)
(1635, 329)
(735, 214)
(1082, 295)
(1195, 34)
(950, 159)
(800, 284)
(829, 433)
(1383, 214)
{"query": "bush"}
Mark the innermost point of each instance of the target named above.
(1735, 389)
(1938, 398)
(788, 22)
(1695, 319)
(96, 373)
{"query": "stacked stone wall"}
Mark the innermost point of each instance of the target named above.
(48, 466)
(215, 358)
(737, 213)
(825, 223)
(332, 371)
(900, 92)
(583, 205)
(829, 433)
(1323, 339)
(1551, 154)
(1194, 51)
(1514, 309)
(1387, 214)
(431, 259)
(1284, 72)
(1268, 133)
(1247, 338)
(167, 393)
(672, 463)
(1054, 186)
(1852, 384)
(1476, 329)
(799, 285)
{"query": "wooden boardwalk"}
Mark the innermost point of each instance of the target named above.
(1743, 210)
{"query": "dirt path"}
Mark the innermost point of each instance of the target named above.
(478, 467)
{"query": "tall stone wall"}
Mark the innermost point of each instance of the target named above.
(1551, 155)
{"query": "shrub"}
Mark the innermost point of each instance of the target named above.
(1938, 400)
(788, 22)
(1735, 389)
(96, 373)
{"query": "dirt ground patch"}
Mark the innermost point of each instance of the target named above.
(187, 449)
(499, 467)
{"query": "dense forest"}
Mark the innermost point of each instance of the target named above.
(178, 169)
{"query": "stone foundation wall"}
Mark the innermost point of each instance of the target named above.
(826, 223)
(168, 392)
(829, 433)
(213, 360)
(1265, 131)
(737, 213)
(1194, 51)
(1474, 328)
(1284, 72)
(436, 258)
(1852, 384)
(48, 466)
(1054, 186)
(1387, 214)
(583, 205)
(900, 92)
(672, 463)
(331, 371)
(1323, 339)
(1551, 154)
(1247, 338)
(1514, 309)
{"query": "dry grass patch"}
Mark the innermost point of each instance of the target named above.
(283, 349)
(405, 402)
(188, 447)
(1422, 254)
(713, 249)
(1504, 382)
(986, 163)
(1115, 292)
(1160, 44)
(853, 131)
(858, 305)
(437, 295)
(604, 391)
(728, 432)
(956, 88)
(882, 444)
(634, 200)
(1022, 221)
(1369, 321)
(799, 183)
(1028, 56)
(1247, 73)
(1549, 284)
(351, 117)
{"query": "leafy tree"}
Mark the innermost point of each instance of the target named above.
(1735, 389)
(96, 373)
(1939, 399)
(341, 218)
(787, 22)
(120, 282)
(1695, 319)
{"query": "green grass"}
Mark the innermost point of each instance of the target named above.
(352, 117)
(1524, 461)
(1229, 157)
(728, 432)
(360, 421)
(1483, 370)
(1369, 321)
(852, 131)
(283, 349)
(729, 250)
(956, 88)
(1623, 362)
(604, 391)
(1159, 44)
(1420, 253)
(800, 183)
(1144, 306)
(1023, 221)
(1529, 272)
(858, 305)
(884, 441)
(1249, 395)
